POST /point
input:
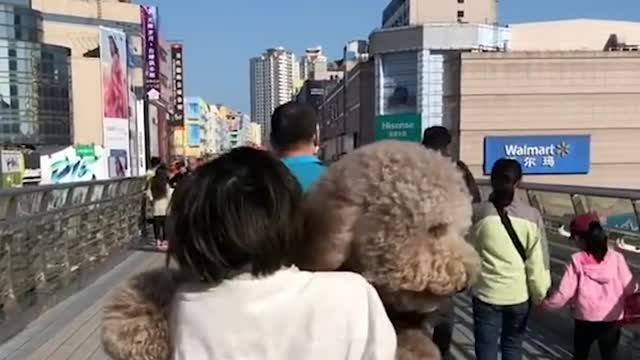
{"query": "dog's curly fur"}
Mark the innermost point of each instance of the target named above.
(136, 320)
(398, 214)
(394, 212)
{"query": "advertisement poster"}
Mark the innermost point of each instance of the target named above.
(178, 90)
(118, 163)
(11, 168)
(549, 155)
(399, 83)
(113, 58)
(73, 164)
(151, 55)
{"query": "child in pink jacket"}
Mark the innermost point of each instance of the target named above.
(596, 282)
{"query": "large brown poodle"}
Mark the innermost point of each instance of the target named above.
(392, 211)
(397, 214)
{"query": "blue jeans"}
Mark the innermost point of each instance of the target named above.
(506, 323)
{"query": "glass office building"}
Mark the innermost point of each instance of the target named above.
(35, 81)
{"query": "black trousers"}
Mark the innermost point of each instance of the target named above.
(158, 227)
(585, 333)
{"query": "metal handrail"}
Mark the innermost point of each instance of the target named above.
(55, 235)
(630, 194)
(49, 187)
(575, 193)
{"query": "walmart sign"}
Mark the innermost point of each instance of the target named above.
(568, 154)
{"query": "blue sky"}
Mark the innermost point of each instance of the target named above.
(221, 35)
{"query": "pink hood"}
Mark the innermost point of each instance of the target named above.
(597, 290)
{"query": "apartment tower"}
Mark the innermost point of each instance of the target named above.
(272, 84)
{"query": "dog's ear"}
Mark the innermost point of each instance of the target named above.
(327, 236)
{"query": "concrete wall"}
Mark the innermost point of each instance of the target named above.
(105, 9)
(416, 12)
(430, 11)
(577, 34)
(555, 93)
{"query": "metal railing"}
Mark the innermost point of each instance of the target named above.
(51, 235)
(618, 209)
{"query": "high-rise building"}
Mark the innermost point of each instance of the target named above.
(272, 84)
(252, 135)
(35, 101)
(216, 131)
(313, 65)
(417, 12)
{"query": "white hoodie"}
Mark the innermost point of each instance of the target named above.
(291, 314)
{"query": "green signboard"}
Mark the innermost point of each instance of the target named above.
(85, 151)
(406, 127)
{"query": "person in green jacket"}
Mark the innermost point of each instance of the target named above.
(515, 267)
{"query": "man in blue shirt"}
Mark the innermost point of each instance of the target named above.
(294, 133)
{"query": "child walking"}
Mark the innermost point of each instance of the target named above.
(596, 282)
(159, 193)
(235, 228)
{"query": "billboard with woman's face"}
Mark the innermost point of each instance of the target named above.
(115, 97)
(113, 56)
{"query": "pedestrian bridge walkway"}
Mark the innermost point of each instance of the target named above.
(65, 249)
(71, 330)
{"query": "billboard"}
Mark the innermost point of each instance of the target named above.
(79, 163)
(538, 155)
(151, 55)
(399, 83)
(11, 168)
(178, 90)
(113, 59)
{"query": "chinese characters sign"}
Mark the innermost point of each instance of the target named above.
(541, 154)
(149, 18)
(178, 91)
(405, 127)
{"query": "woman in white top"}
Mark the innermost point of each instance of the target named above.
(159, 193)
(235, 226)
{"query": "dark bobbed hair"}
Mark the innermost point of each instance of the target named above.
(505, 176)
(293, 124)
(436, 138)
(596, 241)
(155, 161)
(238, 213)
(159, 182)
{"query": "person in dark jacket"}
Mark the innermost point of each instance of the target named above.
(438, 138)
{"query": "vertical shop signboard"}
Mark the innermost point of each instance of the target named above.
(178, 90)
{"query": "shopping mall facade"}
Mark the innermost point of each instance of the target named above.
(561, 97)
